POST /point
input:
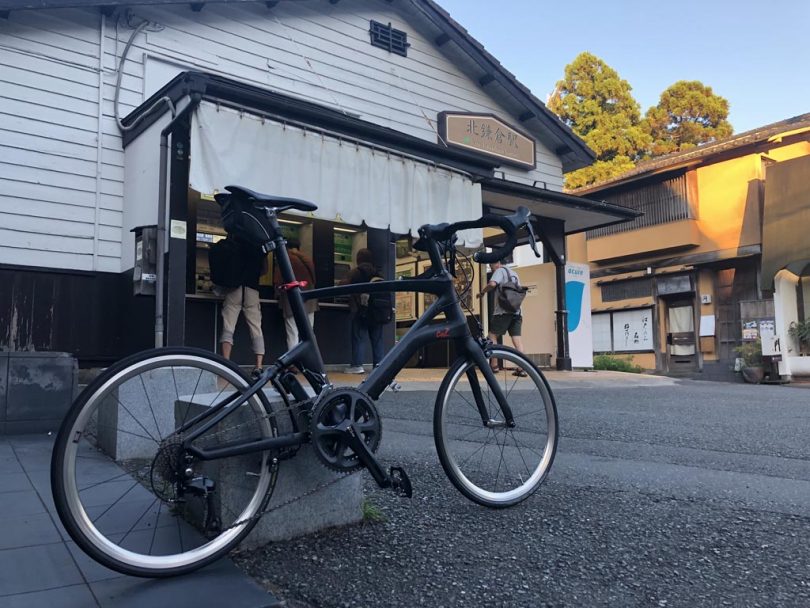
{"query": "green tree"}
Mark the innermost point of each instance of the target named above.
(688, 114)
(598, 105)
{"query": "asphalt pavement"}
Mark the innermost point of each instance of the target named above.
(663, 493)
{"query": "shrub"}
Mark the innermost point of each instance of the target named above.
(616, 364)
(751, 353)
(800, 331)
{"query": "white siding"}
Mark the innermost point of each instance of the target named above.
(48, 141)
(52, 164)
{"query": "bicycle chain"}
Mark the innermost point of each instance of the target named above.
(309, 492)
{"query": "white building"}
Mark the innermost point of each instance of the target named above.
(263, 93)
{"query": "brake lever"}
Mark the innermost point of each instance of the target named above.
(533, 240)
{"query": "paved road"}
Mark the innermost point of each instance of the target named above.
(677, 494)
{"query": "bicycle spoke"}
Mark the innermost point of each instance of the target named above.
(151, 409)
(521, 454)
(475, 408)
(126, 409)
(132, 487)
(120, 430)
(154, 530)
(137, 521)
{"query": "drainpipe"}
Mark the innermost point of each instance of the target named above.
(161, 222)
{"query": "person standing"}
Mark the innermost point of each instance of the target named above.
(245, 299)
(303, 270)
(362, 324)
(503, 321)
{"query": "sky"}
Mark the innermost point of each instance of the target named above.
(754, 53)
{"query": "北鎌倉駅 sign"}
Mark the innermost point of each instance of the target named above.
(487, 134)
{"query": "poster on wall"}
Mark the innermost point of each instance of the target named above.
(633, 330)
(771, 344)
(578, 303)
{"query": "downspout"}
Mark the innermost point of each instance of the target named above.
(161, 223)
(99, 137)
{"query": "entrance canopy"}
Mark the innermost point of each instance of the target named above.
(577, 214)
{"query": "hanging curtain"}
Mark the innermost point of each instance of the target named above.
(349, 182)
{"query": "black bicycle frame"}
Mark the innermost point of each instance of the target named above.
(306, 356)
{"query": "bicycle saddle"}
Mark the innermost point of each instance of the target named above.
(271, 200)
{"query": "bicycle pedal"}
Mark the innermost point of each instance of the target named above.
(400, 483)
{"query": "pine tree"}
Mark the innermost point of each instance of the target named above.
(688, 114)
(598, 105)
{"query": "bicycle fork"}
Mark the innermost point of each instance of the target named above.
(480, 360)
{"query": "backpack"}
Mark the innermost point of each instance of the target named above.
(242, 220)
(226, 263)
(378, 307)
(510, 293)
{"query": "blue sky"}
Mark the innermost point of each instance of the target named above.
(755, 54)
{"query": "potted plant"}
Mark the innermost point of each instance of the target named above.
(751, 354)
(800, 331)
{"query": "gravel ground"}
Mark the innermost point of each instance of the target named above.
(596, 534)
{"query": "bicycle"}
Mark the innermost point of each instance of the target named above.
(161, 481)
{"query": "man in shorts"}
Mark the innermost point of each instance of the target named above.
(503, 322)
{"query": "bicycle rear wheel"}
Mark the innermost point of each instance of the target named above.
(488, 462)
(124, 487)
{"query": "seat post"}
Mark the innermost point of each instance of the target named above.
(294, 297)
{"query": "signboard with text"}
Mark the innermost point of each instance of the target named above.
(489, 135)
(578, 303)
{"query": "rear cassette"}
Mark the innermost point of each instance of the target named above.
(338, 413)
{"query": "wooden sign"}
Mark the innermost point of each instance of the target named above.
(489, 135)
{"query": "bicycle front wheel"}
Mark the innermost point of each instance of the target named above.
(486, 460)
(127, 491)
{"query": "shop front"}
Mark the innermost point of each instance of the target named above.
(373, 186)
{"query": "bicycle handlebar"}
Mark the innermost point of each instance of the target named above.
(510, 224)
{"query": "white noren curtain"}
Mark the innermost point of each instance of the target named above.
(348, 181)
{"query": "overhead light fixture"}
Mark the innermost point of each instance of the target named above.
(350, 230)
(293, 222)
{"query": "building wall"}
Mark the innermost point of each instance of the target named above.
(61, 159)
(727, 201)
(61, 175)
(729, 206)
(539, 325)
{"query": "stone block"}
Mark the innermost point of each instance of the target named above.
(339, 502)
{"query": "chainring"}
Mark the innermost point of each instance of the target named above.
(336, 410)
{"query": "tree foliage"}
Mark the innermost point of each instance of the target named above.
(688, 114)
(598, 106)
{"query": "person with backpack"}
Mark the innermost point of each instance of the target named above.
(242, 295)
(506, 314)
(369, 312)
(303, 270)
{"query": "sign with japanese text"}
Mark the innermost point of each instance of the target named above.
(487, 134)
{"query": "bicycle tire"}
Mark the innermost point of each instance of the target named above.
(457, 426)
(85, 434)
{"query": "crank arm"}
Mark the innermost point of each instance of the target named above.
(367, 458)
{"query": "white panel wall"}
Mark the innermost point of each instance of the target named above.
(61, 184)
